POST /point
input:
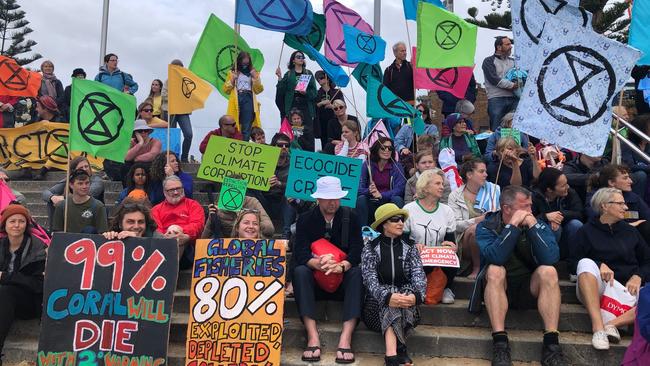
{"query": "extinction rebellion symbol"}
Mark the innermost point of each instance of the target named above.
(94, 112)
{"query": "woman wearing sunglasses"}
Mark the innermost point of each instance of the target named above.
(244, 83)
(293, 93)
(327, 94)
(382, 180)
(393, 274)
(335, 125)
(145, 112)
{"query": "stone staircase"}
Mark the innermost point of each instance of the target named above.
(448, 334)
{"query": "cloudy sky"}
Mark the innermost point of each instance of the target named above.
(147, 34)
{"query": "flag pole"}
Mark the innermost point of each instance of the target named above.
(280, 58)
(66, 189)
(615, 141)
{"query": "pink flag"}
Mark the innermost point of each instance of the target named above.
(6, 195)
(285, 128)
(378, 130)
(335, 16)
(454, 80)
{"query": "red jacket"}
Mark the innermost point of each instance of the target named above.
(188, 214)
(217, 132)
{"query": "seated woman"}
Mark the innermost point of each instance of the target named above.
(351, 144)
(512, 165)
(385, 182)
(461, 140)
(506, 123)
(395, 288)
(431, 223)
(22, 263)
(145, 112)
(161, 169)
(247, 225)
(608, 249)
(222, 222)
(559, 206)
(335, 125)
(470, 202)
(618, 176)
(300, 138)
(423, 161)
(137, 184)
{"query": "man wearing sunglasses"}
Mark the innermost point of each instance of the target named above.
(227, 128)
(517, 258)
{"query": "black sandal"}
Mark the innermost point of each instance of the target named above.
(312, 358)
(343, 352)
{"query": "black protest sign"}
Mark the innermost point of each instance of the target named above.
(107, 302)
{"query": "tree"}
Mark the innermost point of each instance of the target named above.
(13, 30)
(609, 20)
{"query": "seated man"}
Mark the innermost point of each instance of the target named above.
(227, 128)
(132, 219)
(517, 257)
(341, 228)
(180, 218)
(85, 213)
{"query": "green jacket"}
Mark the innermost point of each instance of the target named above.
(470, 140)
(286, 88)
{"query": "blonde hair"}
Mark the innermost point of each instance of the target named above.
(240, 217)
(505, 142)
(338, 103)
(425, 178)
(601, 197)
(354, 127)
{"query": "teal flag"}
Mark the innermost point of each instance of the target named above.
(411, 7)
(383, 103)
(334, 71)
(363, 47)
(101, 119)
(364, 71)
(640, 30)
(315, 38)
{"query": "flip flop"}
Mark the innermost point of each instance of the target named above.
(343, 352)
(313, 358)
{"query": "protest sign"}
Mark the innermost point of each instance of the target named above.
(109, 301)
(236, 303)
(225, 157)
(37, 145)
(306, 167)
(233, 192)
(160, 134)
(439, 257)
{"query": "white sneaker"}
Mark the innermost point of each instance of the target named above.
(612, 334)
(448, 296)
(599, 340)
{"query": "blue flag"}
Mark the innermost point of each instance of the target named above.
(333, 71)
(640, 30)
(411, 7)
(381, 102)
(363, 47)
(286, 16)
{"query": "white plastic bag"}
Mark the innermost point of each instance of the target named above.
(615, 301)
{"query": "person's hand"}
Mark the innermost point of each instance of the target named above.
(530, 220)
(419, 247)
(56, 199)
(374, 191)
(139, 138)
(479, 219)
(531, 150)
(518, 217)
(410, 300)
(174, 231)
(334, 268)
(212, 209)
(278, 72)
(405, 151)
(555, 217)
(633, 285)
(450, 244)
(169, 171)
(554, 226)
(126, 89)
(273, 181)
(336, 142)
(233, 79)
(254, 74)
(515, 86)
(637, 223)
(110, 235)
(606, 274)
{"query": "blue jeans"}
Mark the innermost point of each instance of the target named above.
(565, 235)
(366, 207)
(499, 107)
(246, 113)
(183, 121)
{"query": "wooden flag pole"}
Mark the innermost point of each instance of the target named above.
(66, 190)
(280, 58)
(615, 142)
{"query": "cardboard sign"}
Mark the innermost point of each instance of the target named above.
(513, 133)
(303, 83)
(306, 167)
(107, 302)
(160, 134)
(439, 257)
(233, 192)
(225, 157)
(236, 303)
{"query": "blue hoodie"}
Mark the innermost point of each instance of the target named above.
(117, 79)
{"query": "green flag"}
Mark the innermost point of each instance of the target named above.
(315, 37)
(364, 70)
(444, 39)
(381, 102)
(217, 51)
(101, 119)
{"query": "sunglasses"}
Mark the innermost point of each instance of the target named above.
(396, 219)
(174, 190)
(282, 145)
(337, 108)
(386, 148)
(299, 57)
(147, 110)
(228, 125)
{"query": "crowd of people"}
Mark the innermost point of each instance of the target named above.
(509, 211)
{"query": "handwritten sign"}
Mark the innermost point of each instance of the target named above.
(233, 192)
(439, 257)
(108, 302)
(236, 303)
(306, 167)
(225, 157)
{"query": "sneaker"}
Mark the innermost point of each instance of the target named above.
(501, 354)
(552, 356)
(599, 340)
(448, 296)
(612, 334)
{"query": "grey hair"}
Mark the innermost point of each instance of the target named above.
(397, 45)
(508, 117)
(509, 194)
(601, 197)
(424, 179)
(464, 106)
(171, 178)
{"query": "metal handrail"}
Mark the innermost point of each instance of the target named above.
(632, 128)
(630, 144)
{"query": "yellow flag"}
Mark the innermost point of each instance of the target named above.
(186, 91)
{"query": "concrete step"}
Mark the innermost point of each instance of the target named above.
(40, 208)
(109, 186)
(110, 197)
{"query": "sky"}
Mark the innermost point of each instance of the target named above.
(147, 34)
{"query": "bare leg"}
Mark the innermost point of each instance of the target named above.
(391, 342)
(469, 246)
(495, 297)
(345, 341)
(545, 286)
(626, 319)
(588, 285)
(313, 338)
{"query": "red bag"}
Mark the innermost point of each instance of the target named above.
(331, 282)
